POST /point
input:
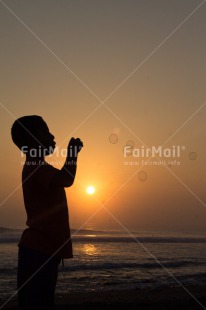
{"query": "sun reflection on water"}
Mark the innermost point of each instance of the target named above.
(90, 249)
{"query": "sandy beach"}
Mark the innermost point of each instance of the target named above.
(157, 299)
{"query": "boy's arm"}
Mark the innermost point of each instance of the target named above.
(65, 177)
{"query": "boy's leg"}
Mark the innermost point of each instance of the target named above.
(38, 292)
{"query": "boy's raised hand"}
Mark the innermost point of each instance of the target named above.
(74, 147)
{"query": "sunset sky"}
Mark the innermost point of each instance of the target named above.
(112, 72)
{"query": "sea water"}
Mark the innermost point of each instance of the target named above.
(115, 261)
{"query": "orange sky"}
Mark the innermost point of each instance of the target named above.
(145, 60)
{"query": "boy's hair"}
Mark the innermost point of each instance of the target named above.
(23, 130)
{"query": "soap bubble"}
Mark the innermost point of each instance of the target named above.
(142, 175)
(130, 143)
(113, 138)
(130, 146)
(192, 155)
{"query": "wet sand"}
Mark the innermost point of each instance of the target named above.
(143, 299)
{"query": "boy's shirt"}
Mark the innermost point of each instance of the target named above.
(47, 212)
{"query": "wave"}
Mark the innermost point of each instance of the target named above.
(10, 235)
(8, 271)
(132, 266)
(9, 240)
(13, 238)
(73, 231)
(87, 238)
(10, 230)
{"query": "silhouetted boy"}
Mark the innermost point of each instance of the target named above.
(47, 239)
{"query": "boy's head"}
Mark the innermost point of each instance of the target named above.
(31, 132)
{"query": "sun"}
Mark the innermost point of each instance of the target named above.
(90, 190)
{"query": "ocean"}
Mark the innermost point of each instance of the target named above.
(113, 260)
